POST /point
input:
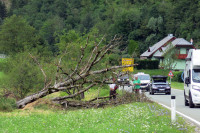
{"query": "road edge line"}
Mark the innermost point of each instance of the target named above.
(191, 119)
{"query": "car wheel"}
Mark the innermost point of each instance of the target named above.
(186, 102)
(169, 93)
(149, 92)
(191, 104)
(152, 93)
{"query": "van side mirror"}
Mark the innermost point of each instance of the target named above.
(187, 80)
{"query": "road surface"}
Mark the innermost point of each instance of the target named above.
(193, 113)
(180, 107)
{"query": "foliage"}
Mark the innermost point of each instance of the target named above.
(144, 117)
(2, 64)
(133, 48)
(170, 58)
(143, 21)
(16, 35)
(177, 76)
(7, 104)
(3, 12)
(23, 76)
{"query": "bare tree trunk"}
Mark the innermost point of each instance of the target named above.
(78, 77)
(22, 103)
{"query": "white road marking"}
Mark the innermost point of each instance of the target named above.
(191, 119)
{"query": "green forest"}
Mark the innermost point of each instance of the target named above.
(49, 29)
(145, 22)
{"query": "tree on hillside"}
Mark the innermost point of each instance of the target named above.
(16, 35)
(3, 12)
(133, 48)
(78, 69)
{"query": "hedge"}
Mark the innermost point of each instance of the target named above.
(147, 64)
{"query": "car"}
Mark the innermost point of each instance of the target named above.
(144, 79)
(123, 80)
(160, 85)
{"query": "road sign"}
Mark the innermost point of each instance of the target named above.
(127, 61)
(170, 73)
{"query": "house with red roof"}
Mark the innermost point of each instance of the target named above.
(163, 47)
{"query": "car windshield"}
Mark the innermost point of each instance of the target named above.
(196, 75)
(144, 77)
(160, 83)
(163, 80)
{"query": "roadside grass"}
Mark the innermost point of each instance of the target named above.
(153, 71)
(134, 118)
(177, 85)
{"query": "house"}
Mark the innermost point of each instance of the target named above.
(162, 48)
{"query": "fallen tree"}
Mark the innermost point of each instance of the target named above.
(81, 79)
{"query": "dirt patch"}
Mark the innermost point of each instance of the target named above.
(41, 102)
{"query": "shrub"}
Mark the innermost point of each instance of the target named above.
(177, 76)
(7, 104)
(147, 64)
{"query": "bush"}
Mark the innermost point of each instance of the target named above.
(147, 64)
(177, 76)
(7, 104)
(2, 64)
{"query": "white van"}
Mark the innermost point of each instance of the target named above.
(192, 78)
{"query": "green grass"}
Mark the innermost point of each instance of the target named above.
(153, 71)
(177, 85)
(93, 93)
(1, 75)
(133, 118)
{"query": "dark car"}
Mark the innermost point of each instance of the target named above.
(160, 85)
(123, 80)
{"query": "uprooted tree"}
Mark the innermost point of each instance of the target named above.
(86, 73)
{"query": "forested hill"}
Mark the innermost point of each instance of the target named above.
(145, 21)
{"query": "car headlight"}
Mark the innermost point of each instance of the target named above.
(195, 87)
(168, 87)
(154, 87)
(118, 79)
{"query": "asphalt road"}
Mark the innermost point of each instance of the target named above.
(194, 113)
(166, 100)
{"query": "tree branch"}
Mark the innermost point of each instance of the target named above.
(45, 77)
(73, 95)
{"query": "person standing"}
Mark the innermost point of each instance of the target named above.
(113, 88)
(136, 84)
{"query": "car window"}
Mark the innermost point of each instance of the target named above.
(144, 77)
(196, 75)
